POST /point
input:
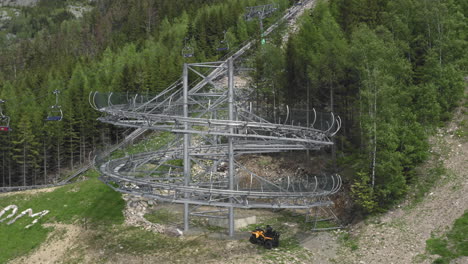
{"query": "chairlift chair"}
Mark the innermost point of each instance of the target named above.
(55, 112)
(4, 123)
(187, 51)
(223, 44)
(4, 120)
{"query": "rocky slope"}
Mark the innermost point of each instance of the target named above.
(399, 236)
(18, 2)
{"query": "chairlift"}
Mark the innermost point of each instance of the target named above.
(187, 51)
(55, 112)
(5, 123)
(223, 44)
(4, 120)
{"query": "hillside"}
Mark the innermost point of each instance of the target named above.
(73, 233)
(18, 2)
(400, 235)
(86, 225)
(388, 73)
(381, 68)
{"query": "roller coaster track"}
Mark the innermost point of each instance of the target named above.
(166, 95)
(128, 139)
(214, 123)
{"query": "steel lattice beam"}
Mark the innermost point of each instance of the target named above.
(215, 126)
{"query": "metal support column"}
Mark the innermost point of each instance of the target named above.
(186, 149)
(308, 113)
(261, 31)
(230, 143)
(208, 109)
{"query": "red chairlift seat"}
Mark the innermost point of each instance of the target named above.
(5, 123)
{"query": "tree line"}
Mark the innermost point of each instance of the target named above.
(393, 70)
(121, 46)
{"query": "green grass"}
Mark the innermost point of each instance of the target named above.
(289, 225)
(289, 251)
(88, 201)
(162, 216)
(453, 245)
(426, 180)
(155, 142)
(462, 131)
(288, 216)
(349, 241)
(134, 240)
(264, 161)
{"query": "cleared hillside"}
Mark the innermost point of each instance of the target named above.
(86, 224)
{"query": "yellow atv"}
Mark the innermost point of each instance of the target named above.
(267, 238)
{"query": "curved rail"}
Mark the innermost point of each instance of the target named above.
(216, 128)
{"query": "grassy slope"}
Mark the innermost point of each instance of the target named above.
(92, 204)
(90, 200)
(432, 225)
(107, 240)
(454, 244)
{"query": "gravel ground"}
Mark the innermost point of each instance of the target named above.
(18, 2)
(400, 235)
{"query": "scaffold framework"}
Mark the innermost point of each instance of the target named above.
(214, 122)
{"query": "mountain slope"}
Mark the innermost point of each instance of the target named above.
(398, 236)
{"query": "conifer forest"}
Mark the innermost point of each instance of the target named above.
(392, 70)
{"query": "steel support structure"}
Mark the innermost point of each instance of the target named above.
(260, 12)
(206, 116)
(230, 141)
(186, 147)
(214, 122)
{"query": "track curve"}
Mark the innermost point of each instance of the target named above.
(214, 123)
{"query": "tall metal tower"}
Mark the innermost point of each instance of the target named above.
(260, 12)
(214, 123)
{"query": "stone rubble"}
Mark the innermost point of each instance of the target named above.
(135, 210)
(18, 2)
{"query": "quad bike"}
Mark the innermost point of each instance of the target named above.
(267, 238)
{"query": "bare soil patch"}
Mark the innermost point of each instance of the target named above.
(62, 239)
(400, 235)
(29, 192)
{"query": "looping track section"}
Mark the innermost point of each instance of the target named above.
(210, 112)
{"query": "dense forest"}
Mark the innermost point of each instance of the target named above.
(393, 70)
(119, 46)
